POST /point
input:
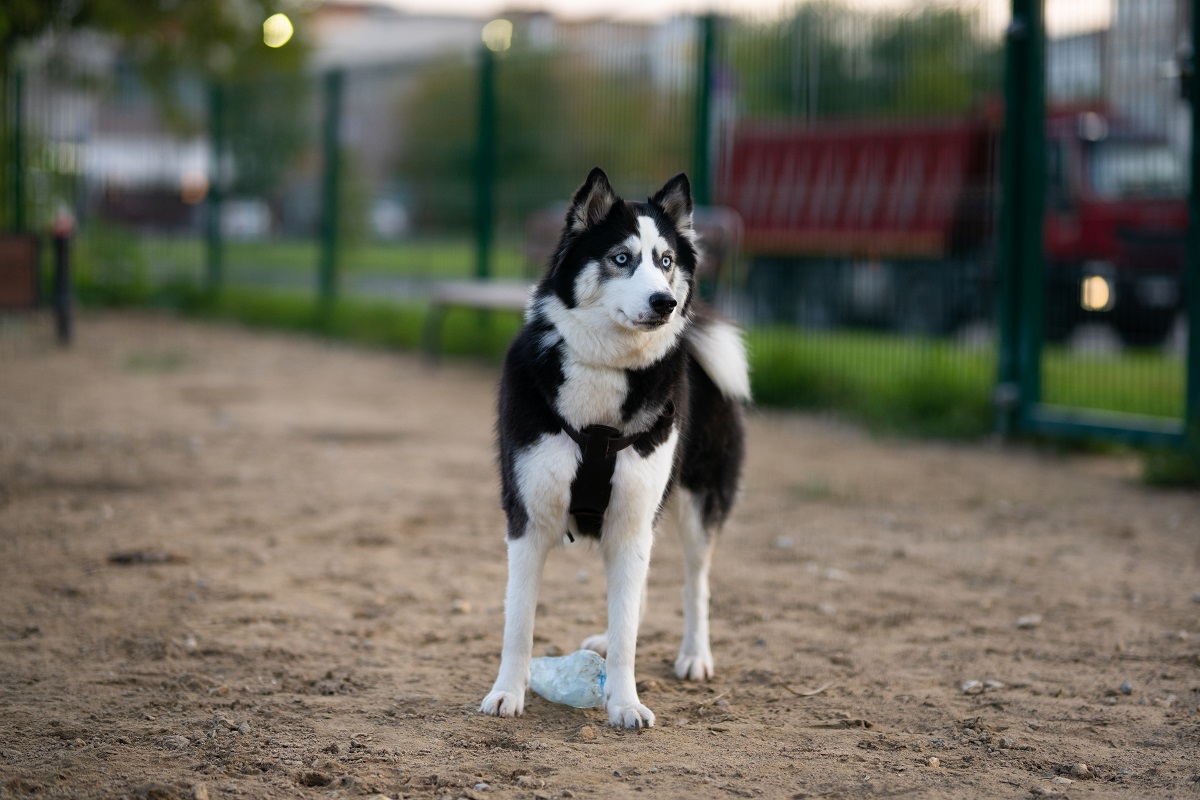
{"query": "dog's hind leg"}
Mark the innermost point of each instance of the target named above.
(695, 660)
(526, 559)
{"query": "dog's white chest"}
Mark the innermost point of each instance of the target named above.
(591, 395)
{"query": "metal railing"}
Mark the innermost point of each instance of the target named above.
(907, 181)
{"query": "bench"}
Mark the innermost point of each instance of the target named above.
(478, 295)
(20, 283)
(719, 236)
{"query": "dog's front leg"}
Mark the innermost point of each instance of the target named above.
(526, 559)
(626, 565)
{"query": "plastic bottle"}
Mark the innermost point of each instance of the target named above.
(575, 680)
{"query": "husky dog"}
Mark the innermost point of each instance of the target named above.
(620, 404)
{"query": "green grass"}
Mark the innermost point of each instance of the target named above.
(1134, 382)
(367, 322)
(437, 258)
(921, 387)
(156, 362)
(939, 388)
(893, 384)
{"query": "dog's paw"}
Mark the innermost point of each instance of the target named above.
(503, 704)
(694, 666)
(632, 715)
(597, 644)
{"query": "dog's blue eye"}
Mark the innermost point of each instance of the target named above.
(620, 258)
(666, 262)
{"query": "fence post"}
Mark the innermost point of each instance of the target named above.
(214, 256)
(1192, 276)
(327, 268)
(1032, 319)
(1019, 269)
(18, 134)
(485, 164)
(64, 227)
(702, 125)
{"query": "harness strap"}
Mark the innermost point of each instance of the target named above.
(592, 487)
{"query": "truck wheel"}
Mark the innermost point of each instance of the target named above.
(816, 311)
(924, 310)
(1057, 328)
(1149, 329)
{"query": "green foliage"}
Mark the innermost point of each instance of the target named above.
(214, 37)
(892, 384)
(156, 362)
(588, 117)
(168, 51)
(354, 202)
(937, 59)
(433, 257)
(1102, 382)
(438, 156)
(831, 60)
(559, 116)
(367, 322)
(110, 266)
(265, 129)
(1173, 469)
(798, 67)
(910, 387)
(561, 113)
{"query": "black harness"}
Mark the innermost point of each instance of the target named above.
(592, 488)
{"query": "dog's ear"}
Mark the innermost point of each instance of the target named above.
(675, 198)
(591, 203)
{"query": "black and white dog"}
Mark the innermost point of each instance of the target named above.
(620, 403)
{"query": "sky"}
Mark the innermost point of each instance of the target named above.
(1062, 16)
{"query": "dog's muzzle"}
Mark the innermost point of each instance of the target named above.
(661, 304)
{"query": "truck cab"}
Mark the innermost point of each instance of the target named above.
(1115, 227)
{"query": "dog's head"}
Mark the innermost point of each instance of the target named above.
(630, 264)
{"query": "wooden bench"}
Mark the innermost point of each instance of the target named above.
(478, 295)
(719, 236)
(20, 283)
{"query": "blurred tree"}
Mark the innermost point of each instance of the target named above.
(830, 60)
(797, 67)
(559, 116)
(216, 38)
(439, 122)
(562, 112)
(268, 121)
(934, 62)
(169, 43)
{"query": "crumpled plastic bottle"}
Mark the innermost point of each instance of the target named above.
(575, 680)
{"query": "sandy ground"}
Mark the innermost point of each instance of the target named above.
(321, 611)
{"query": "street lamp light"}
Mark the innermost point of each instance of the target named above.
(497, 35)
(277, 30)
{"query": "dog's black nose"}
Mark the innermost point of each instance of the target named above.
(662, 303)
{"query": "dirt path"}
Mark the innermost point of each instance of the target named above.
(890, 618)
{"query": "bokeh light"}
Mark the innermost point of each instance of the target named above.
(277, 30)
(497, 35)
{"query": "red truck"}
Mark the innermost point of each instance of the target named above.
(892, 224)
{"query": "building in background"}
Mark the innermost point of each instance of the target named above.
(1133, 67)
(1148, 39)
(1077, 68)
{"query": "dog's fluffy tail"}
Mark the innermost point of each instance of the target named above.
(717, 346)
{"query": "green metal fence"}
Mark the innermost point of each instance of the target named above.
(961, 212)
(1095, 230)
